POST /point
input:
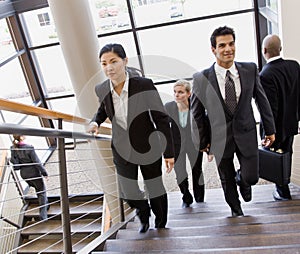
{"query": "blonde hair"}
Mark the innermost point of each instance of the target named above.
(182, 82)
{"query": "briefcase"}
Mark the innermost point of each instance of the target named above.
(274, 166)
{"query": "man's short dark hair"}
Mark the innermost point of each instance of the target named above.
(224, 30)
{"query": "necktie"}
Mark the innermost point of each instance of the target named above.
(230, 95)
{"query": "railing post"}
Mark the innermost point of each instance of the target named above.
(65, 216)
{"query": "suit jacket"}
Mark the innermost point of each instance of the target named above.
(229, 131)
(141, 143)
(25, 154)
(181, 136)
(281, 82)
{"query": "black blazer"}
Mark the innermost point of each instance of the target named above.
(25, 154)
(181, 136)
(141, 143)
(281, 82)
(228, 130)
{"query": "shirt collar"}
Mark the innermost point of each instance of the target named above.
(273, 58)
(125, 87)
(222, 71)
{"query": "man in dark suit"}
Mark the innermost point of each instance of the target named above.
(138, 119)
(281, 81)
(223, 117)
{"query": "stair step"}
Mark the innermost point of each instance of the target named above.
(216, 222)
(76, 209)
(55, 227)
(239, 228)
(282, 249)
(53, 246)
(264, 240)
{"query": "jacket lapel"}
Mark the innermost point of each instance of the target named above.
(110, 111)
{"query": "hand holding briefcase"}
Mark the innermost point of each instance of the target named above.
(274, 166)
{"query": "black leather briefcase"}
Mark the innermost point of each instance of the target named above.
(274, 166)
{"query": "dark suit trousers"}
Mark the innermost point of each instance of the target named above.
(227, 173)
(155, 190)
(287, 146)
(195, 158)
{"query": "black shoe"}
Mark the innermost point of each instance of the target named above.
(245, 189)
(185, 205)
(246, 192)
(277, 196)
(144, 227)
(237, 212)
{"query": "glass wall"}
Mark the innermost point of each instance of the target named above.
(168, 39)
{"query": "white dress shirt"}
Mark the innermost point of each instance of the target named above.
(121, 103)
(221, 77)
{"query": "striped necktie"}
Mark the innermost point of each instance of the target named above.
(230, 95)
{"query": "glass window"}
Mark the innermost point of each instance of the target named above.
(13, 83)
(166, 92)
(40, 27)
(157, 12)
(110, 16)
(179, 50)
(273, 5)
(44, 19)
(67, 106)
(126, 40)
(54, 71)
(6, 43)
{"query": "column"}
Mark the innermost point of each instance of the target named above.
(289, 20)
(77, 36)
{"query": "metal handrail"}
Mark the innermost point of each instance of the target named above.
(6, 128)
(61, 135)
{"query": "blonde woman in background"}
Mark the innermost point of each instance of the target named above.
(179, 112)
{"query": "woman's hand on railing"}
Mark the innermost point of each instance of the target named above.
(93, 128)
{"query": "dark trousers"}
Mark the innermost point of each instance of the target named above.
(40, 189)
(195, 158)
(131, 192)
(227, 173)
(287, 146)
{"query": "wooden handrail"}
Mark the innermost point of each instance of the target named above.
(41, 112)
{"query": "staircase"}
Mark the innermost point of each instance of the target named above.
(85, 214)
(268, 227)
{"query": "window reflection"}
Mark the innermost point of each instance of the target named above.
(110, 16)
(6, 43)
(155, 12)
(40, 26)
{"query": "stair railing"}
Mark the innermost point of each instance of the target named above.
(61, 135)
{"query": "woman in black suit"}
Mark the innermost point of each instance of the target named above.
(138, 119)
(32, 171)
(179, 112)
